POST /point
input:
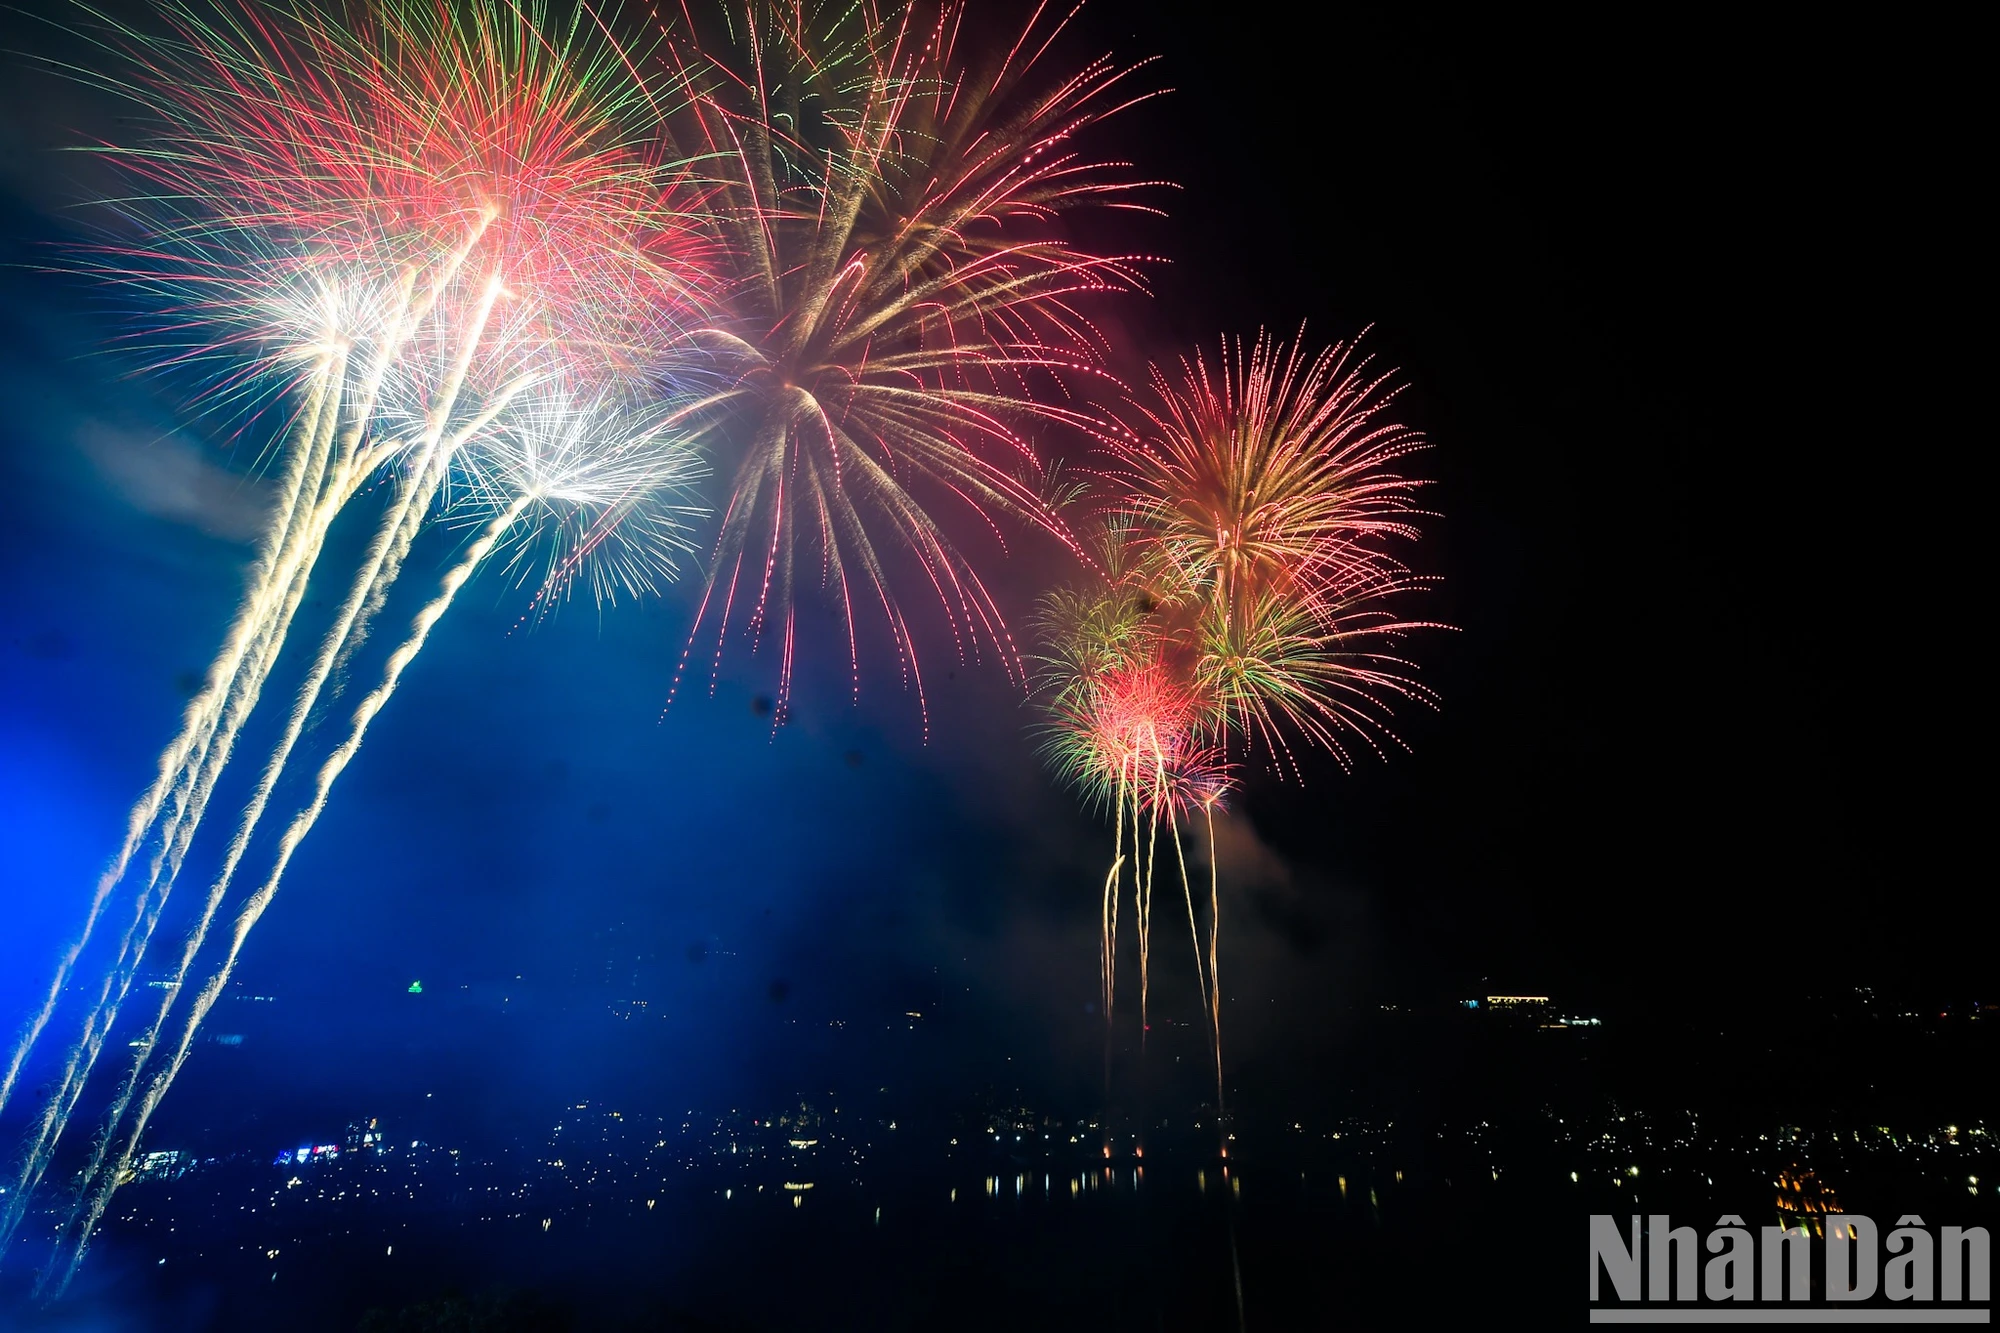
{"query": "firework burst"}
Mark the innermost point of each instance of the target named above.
(1244, 603)
(902, 306)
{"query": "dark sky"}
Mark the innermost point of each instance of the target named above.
(1677, 302)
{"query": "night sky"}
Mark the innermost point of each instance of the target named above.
(1674, 298)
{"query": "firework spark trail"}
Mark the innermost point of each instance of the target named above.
(209, 753)
(1114, 884)
(171, 986)
(300, 553)
(317, 496)
(1109, 921)
(212, 754)
(286, 125)
(386, 552)
(623, 482)
(291, 143)
(347, 472)
(389, 536)
(81, 1224)
(311, 501)
(1214, 950)
(1187, 891)
(1144, 906)
(400, 334)
(197, 724)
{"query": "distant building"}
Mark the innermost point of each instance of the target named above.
(1804, 1199)
(1531, 1010)
(168, 1165)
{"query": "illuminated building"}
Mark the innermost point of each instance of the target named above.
(1804, 1199)
(168, 1165)
(1531, 1010)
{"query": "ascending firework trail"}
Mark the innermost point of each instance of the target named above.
(384, 558)
(330, 486)
(318, 192)
(212, 738)
(598, 488)
(225, 695)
